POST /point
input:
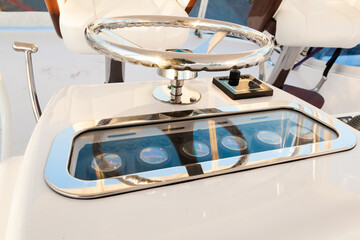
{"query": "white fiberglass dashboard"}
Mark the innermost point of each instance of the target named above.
(229, 201)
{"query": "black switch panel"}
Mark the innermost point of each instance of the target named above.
(247, 87)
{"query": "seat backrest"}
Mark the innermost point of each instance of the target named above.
(75, 15)
(318, 23)
(312, 23)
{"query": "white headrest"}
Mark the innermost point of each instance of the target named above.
(318, 23)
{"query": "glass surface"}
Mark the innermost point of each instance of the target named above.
(349, 57)
(22, 5)
(106, 162)
(153, 155)
(234, 143)
(269, 137)
(158, 146)
(235, 11)
(196, 149)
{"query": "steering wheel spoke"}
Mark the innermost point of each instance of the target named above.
(210, 43)
(118, 38)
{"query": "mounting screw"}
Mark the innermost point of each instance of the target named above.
(192, 99)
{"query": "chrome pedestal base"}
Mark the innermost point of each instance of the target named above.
(188, 95)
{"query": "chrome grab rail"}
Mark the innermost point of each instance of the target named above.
(28, 49)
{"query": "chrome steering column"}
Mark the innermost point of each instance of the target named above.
(175, 92)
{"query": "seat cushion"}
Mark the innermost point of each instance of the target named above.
(309, 96)
(318, 23)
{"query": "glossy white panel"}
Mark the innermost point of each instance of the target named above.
(315, 198)
(8, 174)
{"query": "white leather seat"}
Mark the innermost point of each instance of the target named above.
(318, 23)
(354, 3)
(76, 15)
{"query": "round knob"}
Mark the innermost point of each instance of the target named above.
(234, 77)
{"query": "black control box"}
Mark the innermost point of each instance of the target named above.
(247, 87)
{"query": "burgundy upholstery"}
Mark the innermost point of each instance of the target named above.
(309, 96)
(261, 15)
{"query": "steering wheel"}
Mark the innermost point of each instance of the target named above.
(180, 63)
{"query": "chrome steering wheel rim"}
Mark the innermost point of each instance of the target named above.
(177, 60)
